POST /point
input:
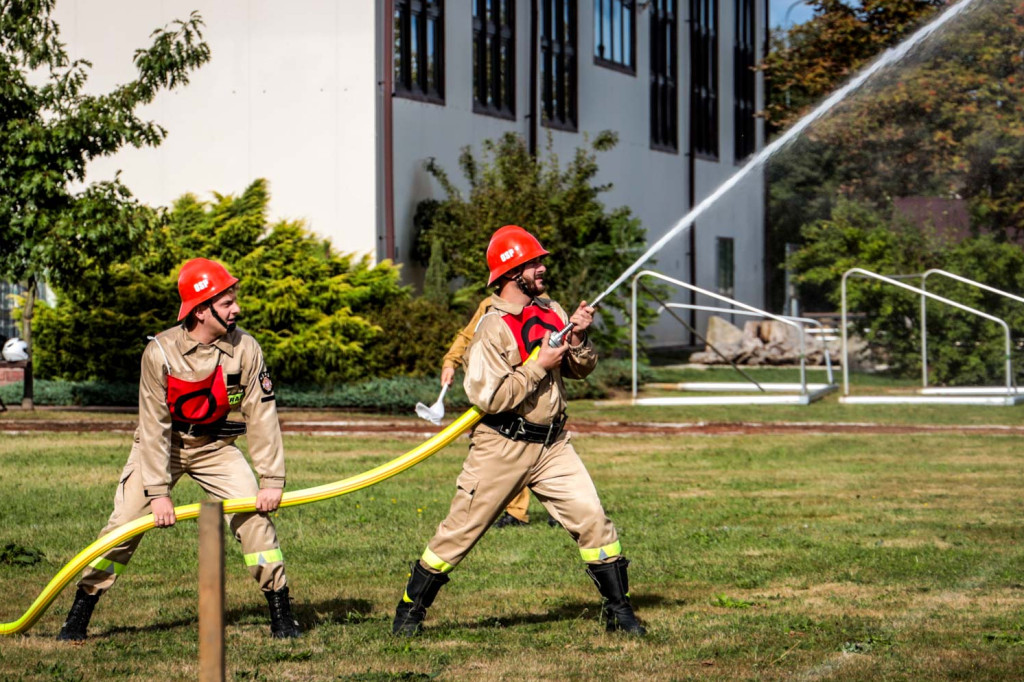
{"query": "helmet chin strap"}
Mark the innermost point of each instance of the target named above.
(525, 287)
(227, 327)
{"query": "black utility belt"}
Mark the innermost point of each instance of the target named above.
(219, 430)
(515, 427)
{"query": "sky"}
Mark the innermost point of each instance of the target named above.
(798, 12)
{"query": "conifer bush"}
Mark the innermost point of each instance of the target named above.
(312, 308)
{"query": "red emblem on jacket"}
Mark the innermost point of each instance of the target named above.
(528, 327)
(198, 402)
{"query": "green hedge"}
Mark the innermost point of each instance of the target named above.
(74, 393)
(396, 395)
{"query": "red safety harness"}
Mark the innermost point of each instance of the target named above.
(200, 407)
(528, 327)
(198, 402)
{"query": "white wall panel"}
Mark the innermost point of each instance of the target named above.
(289, 95)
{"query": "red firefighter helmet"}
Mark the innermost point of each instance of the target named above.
(510, 247)
(199, 281)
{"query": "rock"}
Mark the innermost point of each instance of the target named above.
(764, 342)
(722, 335)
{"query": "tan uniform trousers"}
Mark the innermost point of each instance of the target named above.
(223, 472)
(495, 470)
(519, 507)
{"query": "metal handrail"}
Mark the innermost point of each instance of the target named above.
(924, 315)
(720, 297)
(888, 280)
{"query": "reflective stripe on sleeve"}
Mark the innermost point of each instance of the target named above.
(599, 553)
(107, 566)
(267, 556)
(435, 562)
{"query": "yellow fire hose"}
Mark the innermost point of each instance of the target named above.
(248, 504)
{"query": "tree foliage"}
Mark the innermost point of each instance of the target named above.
(51, 130)
(312, 309)
(51, 228)
(964, 349)
(589, 245)
(950, 123)
(947, 122)
(813, 58)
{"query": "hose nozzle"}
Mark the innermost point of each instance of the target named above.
(556, 339)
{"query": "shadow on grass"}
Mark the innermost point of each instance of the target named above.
(310, 616)
(352, 611)
(569, 611)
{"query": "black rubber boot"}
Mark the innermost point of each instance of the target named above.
(419, 595)
(613, 584)
(282, 623)
(74, 627)
(507, 519)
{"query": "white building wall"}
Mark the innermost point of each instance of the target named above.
(289, 95)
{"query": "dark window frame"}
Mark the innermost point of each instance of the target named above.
(725, 266)
(626, 14)
(493, 42)
(558, 65)
(428, 17)
(664, 90)
(744, 82)
(704, 89)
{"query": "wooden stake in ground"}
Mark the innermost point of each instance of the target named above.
(211, 592)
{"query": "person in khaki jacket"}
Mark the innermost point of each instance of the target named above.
(517, 513)
(193, 375)
(521, 440)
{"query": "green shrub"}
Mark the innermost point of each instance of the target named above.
(310, 307)
(415, 335)
(396, 395)
(964, 349)
(590, 245)
(75, 393)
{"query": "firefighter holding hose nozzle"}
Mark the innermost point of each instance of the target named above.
(521, 441)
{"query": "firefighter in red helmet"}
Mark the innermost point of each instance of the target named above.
(521, 440)
(193, 375)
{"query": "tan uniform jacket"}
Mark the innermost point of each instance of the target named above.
(497, 380)
(457, 353)
(249, 387)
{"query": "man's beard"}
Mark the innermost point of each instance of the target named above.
(531, 288)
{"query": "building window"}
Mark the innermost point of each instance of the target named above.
(615, 34)
(494, 57)
(726, 266)
(664, 98)
(704, 77)
(743, 64)
(8, 325)
(419, 49)
(558, 64)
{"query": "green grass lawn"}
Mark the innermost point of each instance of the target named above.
(764, 558)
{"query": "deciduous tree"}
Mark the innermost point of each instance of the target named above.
(52, 228)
